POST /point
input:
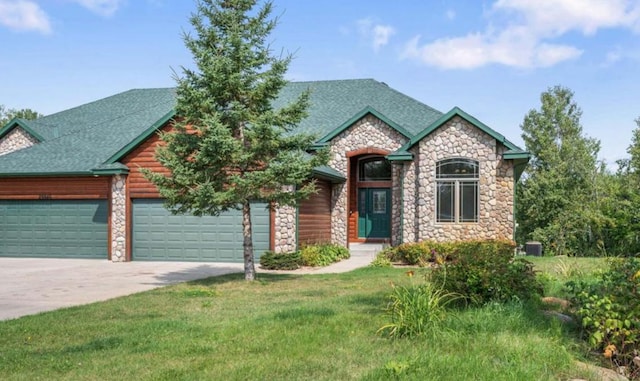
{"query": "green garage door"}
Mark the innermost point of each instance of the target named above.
(160, 236)
(53, 228)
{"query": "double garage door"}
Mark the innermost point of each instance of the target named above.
(53, 228)
(160, 236)
(78, 229)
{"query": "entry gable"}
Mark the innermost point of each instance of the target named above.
(360, 115)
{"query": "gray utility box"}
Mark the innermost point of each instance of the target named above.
(533, 248)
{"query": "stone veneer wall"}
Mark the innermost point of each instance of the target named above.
(396, 203)
(285, 228)
(118, 218)
(368, 132)
(16, 139)
(459, 139)
(409, 186)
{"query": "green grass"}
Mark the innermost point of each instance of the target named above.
(556, 271)
(281, 327)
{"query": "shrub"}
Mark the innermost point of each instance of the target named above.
(323, 254)
(609, 311)
(281, 261)
(484, 271)
(421, 253)
(415, 309)
(381, 260)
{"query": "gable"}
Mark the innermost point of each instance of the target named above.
(513, 150)
(16, 138)
(367, 111)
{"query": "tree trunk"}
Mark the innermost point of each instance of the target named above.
(249, 267)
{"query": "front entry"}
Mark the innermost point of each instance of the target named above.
(374, 213)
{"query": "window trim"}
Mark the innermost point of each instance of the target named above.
(457, 190)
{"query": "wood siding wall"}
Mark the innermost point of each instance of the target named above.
(353, 201)
(314, 220)
(143, 157)
(55, 188)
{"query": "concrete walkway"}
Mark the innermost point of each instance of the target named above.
(32, 285)
(361, 256)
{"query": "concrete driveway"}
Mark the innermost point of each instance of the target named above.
(32, 285)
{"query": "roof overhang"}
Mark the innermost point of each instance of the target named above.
(325, 172)
(110, 170)
(400, 155)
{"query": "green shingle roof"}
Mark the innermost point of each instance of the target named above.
(81, 139)
(333, 103)
(92, 138)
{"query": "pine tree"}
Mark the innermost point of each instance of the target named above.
(228, 145)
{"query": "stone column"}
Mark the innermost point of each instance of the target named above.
(118, 218)
(285, 227)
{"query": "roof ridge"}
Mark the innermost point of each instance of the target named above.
(102, 100)
(335, 80)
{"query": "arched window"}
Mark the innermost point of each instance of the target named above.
(457, 190)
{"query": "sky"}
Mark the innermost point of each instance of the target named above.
(491, 58)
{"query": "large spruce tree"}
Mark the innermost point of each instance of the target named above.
(229, 146)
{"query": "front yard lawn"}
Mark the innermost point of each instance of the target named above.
(282, 327)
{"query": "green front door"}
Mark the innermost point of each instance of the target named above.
(374, 213)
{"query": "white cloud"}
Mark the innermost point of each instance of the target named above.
(378, 34)
(24, 15)
(102, 7)
(612, 57)
(450, 14)
(555, 17)
(527, 39)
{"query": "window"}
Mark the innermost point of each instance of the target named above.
(457, 190)
(375, 169)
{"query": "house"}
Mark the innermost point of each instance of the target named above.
(399, 171)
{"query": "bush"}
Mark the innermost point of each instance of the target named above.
(422, 253)
(609, 311)
(484, 271)
(323, 254)
(381, 260)
(415, 309)
(281, 261)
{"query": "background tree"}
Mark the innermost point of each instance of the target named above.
(229, 146)
(624, 207)
(557, 191)
(26, 113)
